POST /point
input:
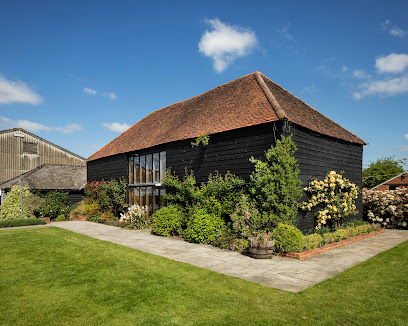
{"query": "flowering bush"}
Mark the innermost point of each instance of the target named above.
(388, 208)
(110, 195)
(239, 245)
(136, 218)
(246, 220)
(335, 197)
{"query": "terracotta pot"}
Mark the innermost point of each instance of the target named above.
(260, 249)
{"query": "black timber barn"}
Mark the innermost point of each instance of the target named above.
(243, 119)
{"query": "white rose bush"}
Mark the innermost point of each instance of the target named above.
(387, 208)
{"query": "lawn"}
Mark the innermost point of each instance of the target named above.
(53, 276)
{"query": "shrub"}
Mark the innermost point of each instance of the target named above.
(275, 186)
(110, 195)
(78, 210)
(5, 223)
(288, 238)
(334, 197)
(246, 220)
(93, 212)
(55, 203)
(167, 221)
(239, 245)
(312, 241)
(219, 195)
(203, 227)
(388, 208)
(11, 207)
(225, 239)
(60, 218)
(135, 218)
(329, 238)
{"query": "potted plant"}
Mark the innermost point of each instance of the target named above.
(261, 246)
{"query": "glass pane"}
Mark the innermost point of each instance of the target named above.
(162, 165)
(136, 197)
(130, 196)
(149, 168)
(131, 170)
(156, 167)
(156, 199)
(137, 169)
(162, 193)
(149, 200)
(142, 196)
(142, 169)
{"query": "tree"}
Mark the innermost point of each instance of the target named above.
(275, 186)
(380, 171)
(11, 207)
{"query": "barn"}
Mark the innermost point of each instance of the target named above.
(242, 118)
(37, 163)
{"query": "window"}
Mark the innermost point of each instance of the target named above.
(146, 172)
(30, 148)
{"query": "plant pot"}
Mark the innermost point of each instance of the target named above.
(260, 249)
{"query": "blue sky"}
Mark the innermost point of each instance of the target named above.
(78, 72)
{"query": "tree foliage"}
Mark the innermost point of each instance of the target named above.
(275, 185)
(382, 170)
(11, 207)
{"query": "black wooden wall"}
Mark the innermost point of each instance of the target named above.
(230, 151)
(317, 155)
(107, 168)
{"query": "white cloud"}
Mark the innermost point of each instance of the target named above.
(387, 87)
(285, 31)
(360, 74)
(224, 43)
(89, 91)
(406, 136)
(344, 69)
(393, 63)
(110, 95)
(403, 148)
(393, 30)
(35, 126)
(17, 92)
(117, 127)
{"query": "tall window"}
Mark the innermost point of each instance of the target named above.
(146, 172)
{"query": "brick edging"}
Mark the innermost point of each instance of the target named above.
(327, 247)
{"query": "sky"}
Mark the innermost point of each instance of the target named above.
(79, 73)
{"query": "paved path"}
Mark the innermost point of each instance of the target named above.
(281, 273)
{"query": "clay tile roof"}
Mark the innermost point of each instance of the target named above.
(240, 103)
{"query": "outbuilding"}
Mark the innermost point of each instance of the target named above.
(242, 118)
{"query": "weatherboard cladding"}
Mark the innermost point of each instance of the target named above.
(15, 159)
(234, 105)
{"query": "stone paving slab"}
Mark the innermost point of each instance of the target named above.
(281, 273)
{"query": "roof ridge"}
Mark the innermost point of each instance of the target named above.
(389, 180)
(314, 109)
(271, 99)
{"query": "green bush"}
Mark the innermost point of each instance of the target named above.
(93, 212)
(288, 238)
(167, 221)
(275, 185)
(203, 227)
(55, 203)
(225, 239)
(239, 245)
(218, 196)
(60, 218)
(6, 223)
(11, 207)
(312, 241)
(329, 238)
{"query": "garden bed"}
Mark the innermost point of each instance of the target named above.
(316, 251)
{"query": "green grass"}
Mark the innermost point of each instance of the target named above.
(6, 223)
(52, 276)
